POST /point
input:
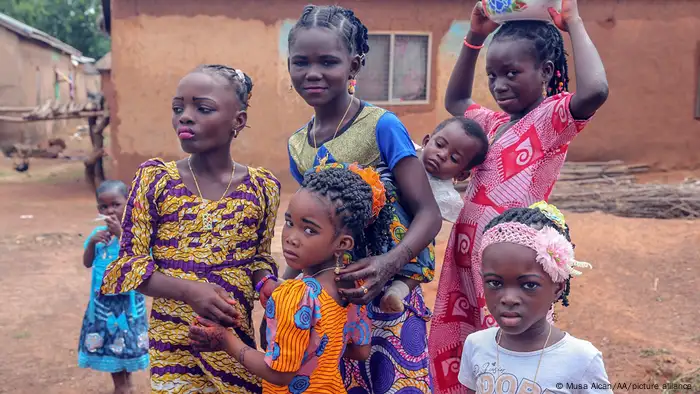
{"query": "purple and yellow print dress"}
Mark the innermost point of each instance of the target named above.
(164, 230)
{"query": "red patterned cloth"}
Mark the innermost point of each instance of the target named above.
(520, 169)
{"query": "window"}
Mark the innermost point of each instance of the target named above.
(397, 69)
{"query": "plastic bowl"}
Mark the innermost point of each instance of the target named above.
(501, 11)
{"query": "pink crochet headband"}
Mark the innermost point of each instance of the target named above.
(554, 252)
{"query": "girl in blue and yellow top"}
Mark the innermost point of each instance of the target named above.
(114, 336)
(339, 209)
(327, 48)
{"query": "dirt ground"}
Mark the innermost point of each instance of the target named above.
(638, 305)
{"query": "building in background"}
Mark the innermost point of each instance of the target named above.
(35, 68)
(650, 58)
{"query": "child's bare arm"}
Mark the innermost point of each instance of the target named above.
(591, 81)
(91, 177)
(458, 96)
(254, 361)
(89, 253)
(212, 337)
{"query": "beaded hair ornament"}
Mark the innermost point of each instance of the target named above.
(371, 177)
(554, 252)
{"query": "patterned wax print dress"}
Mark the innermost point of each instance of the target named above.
(520, 169)
(225, 249)
(376, 137)
(114, 335)
(307, 333)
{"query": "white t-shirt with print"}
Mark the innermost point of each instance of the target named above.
(569, 366)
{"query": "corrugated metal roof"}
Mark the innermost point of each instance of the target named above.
(31, 33)
(105, 64)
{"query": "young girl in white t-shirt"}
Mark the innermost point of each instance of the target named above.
(527, 262)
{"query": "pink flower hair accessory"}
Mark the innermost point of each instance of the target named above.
(554, 252)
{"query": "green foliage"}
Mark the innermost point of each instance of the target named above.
(71, 21)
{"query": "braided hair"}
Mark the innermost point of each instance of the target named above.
(240, 81)
(534, 218)
(548, 46)
(472, 129)
(352, 198)
(343, 20)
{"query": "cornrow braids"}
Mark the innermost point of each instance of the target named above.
(536, 219)
(343, 20)
(548, 46)
(239, 80)
(352, 198)
(472, 129)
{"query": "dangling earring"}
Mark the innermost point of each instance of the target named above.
(544, 89)
(351, 85)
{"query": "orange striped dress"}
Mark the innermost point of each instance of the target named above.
(307, 332)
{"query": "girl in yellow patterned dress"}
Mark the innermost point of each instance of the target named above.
(339, 209)
(197, 234)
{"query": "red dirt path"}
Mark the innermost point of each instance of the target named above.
(638, 305)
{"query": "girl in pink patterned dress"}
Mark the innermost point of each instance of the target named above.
(527, 76)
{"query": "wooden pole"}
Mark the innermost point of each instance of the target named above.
(79, 115)
(16, 109)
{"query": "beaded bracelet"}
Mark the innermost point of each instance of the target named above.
(260, 284)
(472, 46)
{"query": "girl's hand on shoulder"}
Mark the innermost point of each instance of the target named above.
(207, 336)
(568, 15)
(102, 236)
(373, 273)
(114, 226)
(213, 303)
(480, 22)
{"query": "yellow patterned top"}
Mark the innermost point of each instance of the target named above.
(373, 137)
(164, 230)
(357, 143)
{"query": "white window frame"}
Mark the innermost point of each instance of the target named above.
(428, 70)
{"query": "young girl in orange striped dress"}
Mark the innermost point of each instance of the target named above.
(340, 209)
